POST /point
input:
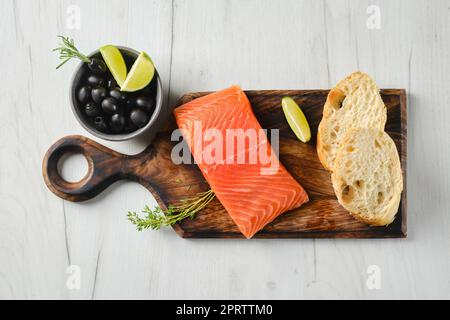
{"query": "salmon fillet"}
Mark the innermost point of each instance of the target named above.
(253, 191)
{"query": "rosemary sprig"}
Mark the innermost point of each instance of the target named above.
(157, 218)
(67, 51)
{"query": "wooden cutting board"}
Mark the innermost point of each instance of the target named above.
(321, 217)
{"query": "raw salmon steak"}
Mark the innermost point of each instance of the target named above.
(247, 177)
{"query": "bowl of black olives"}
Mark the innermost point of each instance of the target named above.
(107, 112)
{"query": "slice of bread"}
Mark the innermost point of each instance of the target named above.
(367, 176)
(355, 102)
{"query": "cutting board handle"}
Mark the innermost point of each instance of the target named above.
(105, 166)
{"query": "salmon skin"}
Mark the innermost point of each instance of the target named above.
(254, 191)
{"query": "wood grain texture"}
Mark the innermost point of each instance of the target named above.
(321, 217)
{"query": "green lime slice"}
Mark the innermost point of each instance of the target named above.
(296, 119)
(115, 62)
(140, 75)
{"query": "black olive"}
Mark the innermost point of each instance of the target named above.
(124, 96)
(129, 125)
(147, 90)
(130, 103)
(112, 83)
(94, 80)
(110, 105)
(98, 94)
(84, 94)
(100, 124)
(145, 104)
(139, 118)
(91, 110)
(117, 122)
(97, 66)
(115, 93)
(129, 128)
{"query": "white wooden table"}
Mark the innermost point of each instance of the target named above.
(207, 45)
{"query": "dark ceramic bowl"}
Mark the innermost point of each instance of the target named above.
(156, 93)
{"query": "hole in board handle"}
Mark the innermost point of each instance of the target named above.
(73, 167)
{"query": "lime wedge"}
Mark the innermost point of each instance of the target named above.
(115, 63)
(140, 75)
(296, 119)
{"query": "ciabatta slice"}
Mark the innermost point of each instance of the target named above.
(355, 102)
(367, 176)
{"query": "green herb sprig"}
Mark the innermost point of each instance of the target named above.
(157, 218)
(67, 51)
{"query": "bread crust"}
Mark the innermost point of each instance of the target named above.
(320, 151)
